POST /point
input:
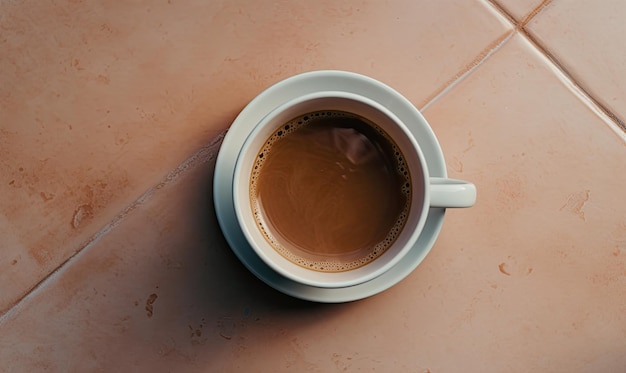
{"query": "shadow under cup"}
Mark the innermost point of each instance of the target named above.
(371, 111)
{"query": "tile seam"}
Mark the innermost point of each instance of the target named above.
(205, 154)
(612, 120)
(483, 56)
(533, 13)
(502, 12)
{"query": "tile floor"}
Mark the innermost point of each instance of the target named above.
(110, 119)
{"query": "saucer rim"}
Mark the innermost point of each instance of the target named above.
(262, 105)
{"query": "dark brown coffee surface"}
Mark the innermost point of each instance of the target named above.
(330, 191)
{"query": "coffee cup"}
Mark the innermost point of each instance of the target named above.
(292, 226)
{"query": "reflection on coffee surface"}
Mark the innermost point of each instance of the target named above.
(330, 191)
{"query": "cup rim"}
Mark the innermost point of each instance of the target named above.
(243, 210)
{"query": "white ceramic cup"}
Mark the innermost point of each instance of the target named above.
(426, 191)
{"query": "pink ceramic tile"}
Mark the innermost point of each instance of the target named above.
(536, 269)
(587, 39)
(530, 279)
(99, 100)
(520, 9)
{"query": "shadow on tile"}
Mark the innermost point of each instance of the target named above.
(162, 287)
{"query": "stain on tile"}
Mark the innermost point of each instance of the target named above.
(343, 363)
(196, 332)
(613, 275)
(102, 79)
(196, 335)
(123, 325)
(226, 327)
(296, 356)
(511, 192)
(502, 267)
(42, 253)
(456, 164)
(470, 142)
(82, 213)
(514, 267)
(576, 203)
(46, 196)
(150, 304)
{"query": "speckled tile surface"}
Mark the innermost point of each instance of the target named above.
(532, 278)
(98, 100)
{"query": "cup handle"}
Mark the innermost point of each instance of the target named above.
(446, 192)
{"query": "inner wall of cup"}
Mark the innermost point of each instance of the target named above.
(417, 212)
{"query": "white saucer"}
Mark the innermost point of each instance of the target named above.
(261, 106)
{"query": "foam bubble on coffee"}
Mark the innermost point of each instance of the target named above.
(314, 256)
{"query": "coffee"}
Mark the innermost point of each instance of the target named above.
(330, 191)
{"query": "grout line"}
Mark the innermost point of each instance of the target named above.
(613, 120)
(502, 12)
(518, 24)
(600, 109)
(468, 69)
(533, 13)
(205, 154)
